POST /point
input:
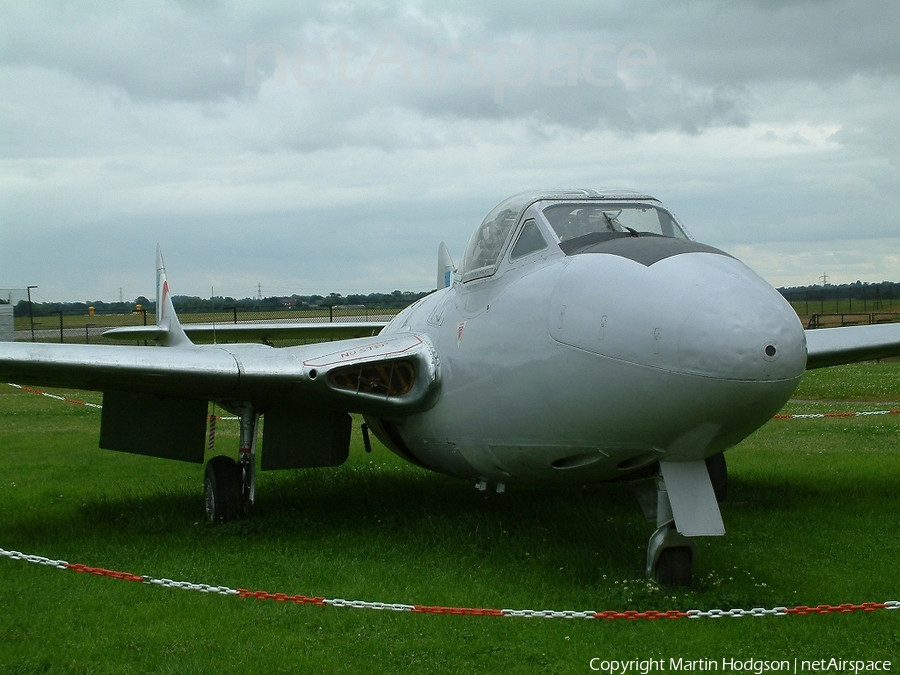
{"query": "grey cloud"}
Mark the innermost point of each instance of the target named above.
(463, 61)
(152, 51)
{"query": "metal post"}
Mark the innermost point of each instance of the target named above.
(60, 328)
(31, 312)
(87, 337)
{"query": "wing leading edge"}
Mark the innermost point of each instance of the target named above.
(835, 346)
(397, 375)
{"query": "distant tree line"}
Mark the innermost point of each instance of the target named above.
(886, 292)
(187, 304)
(80, 308)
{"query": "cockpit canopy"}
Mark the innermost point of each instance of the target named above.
(570, 215)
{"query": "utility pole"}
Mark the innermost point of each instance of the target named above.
(31, 312)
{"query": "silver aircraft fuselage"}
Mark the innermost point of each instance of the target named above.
(580, 364)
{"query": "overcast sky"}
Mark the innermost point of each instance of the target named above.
(319, 147)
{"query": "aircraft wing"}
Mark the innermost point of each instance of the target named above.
(261, 331)
(394, 375)
(834, 346)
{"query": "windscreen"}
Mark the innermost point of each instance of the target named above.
(575, 220)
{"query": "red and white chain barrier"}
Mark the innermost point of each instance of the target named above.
(837, 414)
(66, 399)
(464, 611)
(55, 396)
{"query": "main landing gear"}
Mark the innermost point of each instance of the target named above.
(230, 487)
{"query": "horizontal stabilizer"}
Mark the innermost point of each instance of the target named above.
(253, 331)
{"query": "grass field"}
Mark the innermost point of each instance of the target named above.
(812, 518)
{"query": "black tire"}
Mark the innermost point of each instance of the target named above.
(222, 489)
(718, 475)
(674, 566)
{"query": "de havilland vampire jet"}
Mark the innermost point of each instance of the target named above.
(585, 337)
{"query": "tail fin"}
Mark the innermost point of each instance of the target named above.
(445, 268)
(166, 318)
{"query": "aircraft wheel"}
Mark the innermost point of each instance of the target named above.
(674, 566)
(222, 489)
(718, 475)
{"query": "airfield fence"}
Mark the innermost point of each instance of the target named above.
(847, 319)
(63, 327)
(857, 304)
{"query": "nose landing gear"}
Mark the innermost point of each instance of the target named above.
(686, 507)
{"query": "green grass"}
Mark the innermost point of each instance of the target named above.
(855, 382)
(811, 518)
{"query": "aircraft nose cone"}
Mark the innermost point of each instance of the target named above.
(742, 330)
(701, 313)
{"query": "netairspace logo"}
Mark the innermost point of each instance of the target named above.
(743, 666)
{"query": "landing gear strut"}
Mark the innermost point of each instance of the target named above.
(718, 475)
(670, 555)
(229, 486)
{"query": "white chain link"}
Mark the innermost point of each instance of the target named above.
(549, 614)
(37, 559)
(735, 613)
(188, 586)
(892, 604)
(362, 604)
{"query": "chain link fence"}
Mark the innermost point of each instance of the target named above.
(845, 305)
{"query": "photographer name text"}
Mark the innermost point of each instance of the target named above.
(738, 665)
